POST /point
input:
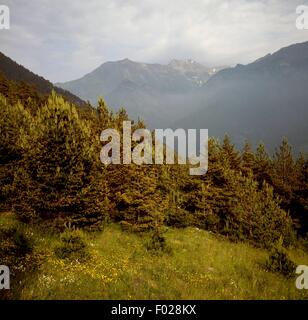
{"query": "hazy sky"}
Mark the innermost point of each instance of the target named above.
(64, 39)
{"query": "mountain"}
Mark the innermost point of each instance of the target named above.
(192, 70)
(160, 94)
(15, 72)
(261, 101)
(264, 100)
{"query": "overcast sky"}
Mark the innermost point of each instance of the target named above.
(64, 39)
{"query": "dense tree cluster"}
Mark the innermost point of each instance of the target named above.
(51, 171)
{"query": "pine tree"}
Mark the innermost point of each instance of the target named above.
(299, 203)
(263, 165)
(138, 200)
(248, 159)
(105, 115)
(218, 163)
(231, 154)
(15, 122)
(138, 203)
(5, 86)
(61, 175)
(285, 174)
(254, 215)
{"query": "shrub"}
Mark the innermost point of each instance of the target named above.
(15, 241)
(17, 252)
(157, 242)
(23, 244)
(73, 246)
(279, 261)
(178, 217)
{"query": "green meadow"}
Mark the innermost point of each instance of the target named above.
(197, 265)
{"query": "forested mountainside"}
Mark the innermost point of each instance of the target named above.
(16, 72)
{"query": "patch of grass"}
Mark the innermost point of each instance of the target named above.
(202, 266)
(119, 266)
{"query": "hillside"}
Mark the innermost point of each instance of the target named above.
(200, 266)
(264, 100)
(16, 72)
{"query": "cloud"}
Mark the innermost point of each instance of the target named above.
(63, 39)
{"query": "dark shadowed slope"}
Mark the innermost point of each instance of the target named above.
(14, 71)
(264, 100)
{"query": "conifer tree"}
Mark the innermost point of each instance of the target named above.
(299, 203)
(5, 86)
(104, 114)
(248, 159)
(285, 174)
(15, 122)
(61, 174)
(254, 215)
(231, 154)
(138, 203)
(263, 165)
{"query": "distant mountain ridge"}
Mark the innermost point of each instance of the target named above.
(264, 100)
(154, 92)
(261, 101)
(16, 72)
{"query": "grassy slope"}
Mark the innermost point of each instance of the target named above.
(202, 266)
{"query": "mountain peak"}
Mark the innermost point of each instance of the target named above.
(125, 61)
(182, 63)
